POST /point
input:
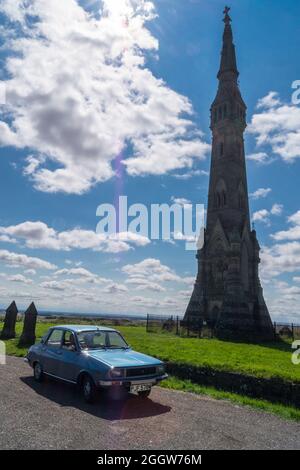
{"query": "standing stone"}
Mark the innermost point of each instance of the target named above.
(227, 292)
(9, 329)
(28, 334)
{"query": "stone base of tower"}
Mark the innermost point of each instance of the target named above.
(241, 321)
(236, 318)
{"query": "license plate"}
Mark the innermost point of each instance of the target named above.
(140, 388)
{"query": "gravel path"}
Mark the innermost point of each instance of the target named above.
(52, 416)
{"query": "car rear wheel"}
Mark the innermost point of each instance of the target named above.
(144, 393)
(38, 372)
(88, 389)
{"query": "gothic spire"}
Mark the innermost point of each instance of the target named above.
(228, 67)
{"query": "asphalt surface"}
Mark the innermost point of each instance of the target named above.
(53, 416)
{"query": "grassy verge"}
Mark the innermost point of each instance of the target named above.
(260, 360)
(287, 412)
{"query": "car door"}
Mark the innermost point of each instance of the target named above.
(52, 352)
(69, 361)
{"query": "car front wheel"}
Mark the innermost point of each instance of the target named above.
(88, 389)
(38, 372)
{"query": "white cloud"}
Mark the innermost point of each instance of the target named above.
(277, 125)
(293, 233)
(147, 267)
(271, 100)
(30, 272)
(79, 95)
(261, 216)
(280, 258)
(17, 259)
(190, 174)
(19, 278)
(144, 284)
(84, 275)
(277, 209)
(6, 239)
(161, 154)
(153, 270)
(262, 158)
(115, 288)
(81, 272)
(39, 235)
(54, 285)
(181, 201)
(295, 218)
(260, 193)
(264, 215)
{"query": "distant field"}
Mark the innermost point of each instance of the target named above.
(268, 360)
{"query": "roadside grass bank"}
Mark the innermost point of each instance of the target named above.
(284, 411)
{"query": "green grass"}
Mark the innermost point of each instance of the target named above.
(287, 412)
(265, 360)
(260, 360)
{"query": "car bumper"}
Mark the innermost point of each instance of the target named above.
(128, 383)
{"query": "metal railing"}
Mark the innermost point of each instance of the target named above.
(197, 328)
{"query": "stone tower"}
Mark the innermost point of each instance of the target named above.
(227, 292)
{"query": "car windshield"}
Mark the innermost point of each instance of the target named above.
(101, 340)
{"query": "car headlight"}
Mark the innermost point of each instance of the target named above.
(116, 373)
(160, 369)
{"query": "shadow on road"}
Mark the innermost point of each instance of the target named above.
(130, 407)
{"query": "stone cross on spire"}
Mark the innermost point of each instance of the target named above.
(227, 18)
(228, 57)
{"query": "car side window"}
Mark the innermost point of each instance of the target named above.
(55, 338)
(69, 341)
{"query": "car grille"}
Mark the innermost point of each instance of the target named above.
(140, 371)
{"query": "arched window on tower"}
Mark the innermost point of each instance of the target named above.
(241, 196)
(220, 113)
(220, 194)
(225, 111)
(221, 149)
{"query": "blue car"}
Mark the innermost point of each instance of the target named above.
(94, 358)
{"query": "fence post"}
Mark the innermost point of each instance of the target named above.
(274, 329)
(188, 326)
(147, 323)
(293, 336)
(199, 328)
(177, 326)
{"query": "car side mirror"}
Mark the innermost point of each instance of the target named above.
(42, 341)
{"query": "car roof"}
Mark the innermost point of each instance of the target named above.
(79, 328)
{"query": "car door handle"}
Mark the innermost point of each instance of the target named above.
(59, 353)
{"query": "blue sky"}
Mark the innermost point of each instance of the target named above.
(88, 118)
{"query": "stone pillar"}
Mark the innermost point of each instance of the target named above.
(9, 329)
(236, 320)
(28, 334)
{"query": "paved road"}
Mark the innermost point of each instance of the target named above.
(53, 416)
